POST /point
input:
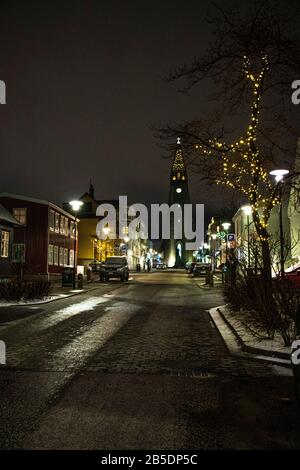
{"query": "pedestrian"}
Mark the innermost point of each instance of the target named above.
(148, 265)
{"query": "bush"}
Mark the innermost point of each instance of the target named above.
(272, 310)
(34, 290)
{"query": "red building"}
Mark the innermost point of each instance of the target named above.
(44, 242)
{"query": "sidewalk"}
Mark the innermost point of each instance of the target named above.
(12, 311)
(240, 341)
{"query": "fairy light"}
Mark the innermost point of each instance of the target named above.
(241, 159)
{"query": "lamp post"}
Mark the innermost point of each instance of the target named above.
(248, 211)
(213, 238)
(279, 174)
(226, 226)
(75, 207)
(106, 231)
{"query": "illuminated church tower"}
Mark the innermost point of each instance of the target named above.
(176, 254)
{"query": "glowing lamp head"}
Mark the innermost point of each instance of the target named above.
(126, 239)
(214, 236)
(106, 230)
(178, 190)
(279, 174)
(247, 210)
(76, 205)
(226, 225)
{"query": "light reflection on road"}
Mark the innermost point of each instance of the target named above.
(84, 305)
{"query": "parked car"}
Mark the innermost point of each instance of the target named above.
(293, 278)
(115, 267)
(161, 266)
(201, 269)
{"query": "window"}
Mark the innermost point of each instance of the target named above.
(18, 253)
(20, 214)
(72, 229)
(50, 255)
(66, 257)
(4, 252)
(66, 226)
(62, 224)
(61, 256)
(56, 222)
(55, 255)
(71, 260)
(51, 220)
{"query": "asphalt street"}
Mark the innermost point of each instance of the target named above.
(138, 365)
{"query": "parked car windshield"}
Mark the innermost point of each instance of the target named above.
(115, 261)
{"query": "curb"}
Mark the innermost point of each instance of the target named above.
(237, 347)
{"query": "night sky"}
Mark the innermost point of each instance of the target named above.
(84, 83)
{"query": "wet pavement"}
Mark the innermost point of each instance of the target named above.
(138, 366)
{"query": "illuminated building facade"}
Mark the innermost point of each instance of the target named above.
(91, 248)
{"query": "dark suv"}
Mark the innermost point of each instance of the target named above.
(115, 266)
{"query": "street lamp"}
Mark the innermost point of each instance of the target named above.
(279, 174)
(226, 226)
(248, 211)
(75, 207)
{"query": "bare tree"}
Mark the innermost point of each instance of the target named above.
(252, 60)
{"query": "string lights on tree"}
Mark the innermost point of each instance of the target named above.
(241, 164)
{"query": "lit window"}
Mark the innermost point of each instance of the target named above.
(66, 226)
(20, 213)
(50, 255)
(4, 252)
(71, 260)
(56, 222)
(62, 224)
(61, 256)
(51, 220)
(66, 252)
(72, 229)
(55, 255)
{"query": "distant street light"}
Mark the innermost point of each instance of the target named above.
(248, 211)
(75, 207)
(226, 226)
(279, 174)
(106, 230)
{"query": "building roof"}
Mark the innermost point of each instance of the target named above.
(36, 201)
(6, 216)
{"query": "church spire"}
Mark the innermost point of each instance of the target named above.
(178, 170)
(91, 190)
